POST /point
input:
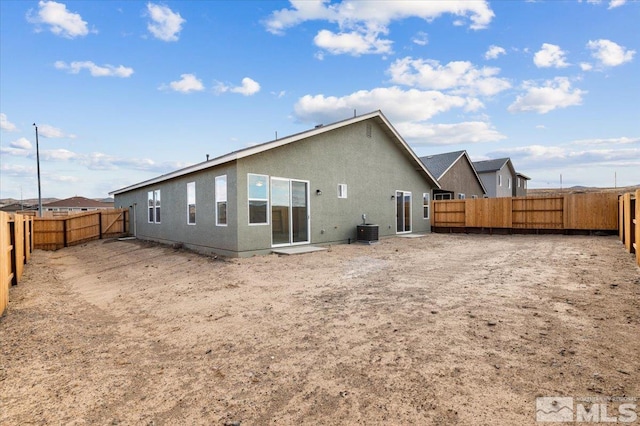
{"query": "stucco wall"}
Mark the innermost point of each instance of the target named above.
(204, 235)
(373, 168)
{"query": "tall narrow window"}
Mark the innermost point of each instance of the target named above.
(499, 180)
(156, 195)
(342, 190)
(191, 203)
(258, 199)
(221, 200)
(151, 207)
(518, 182)
(425, 205)
(509, 183)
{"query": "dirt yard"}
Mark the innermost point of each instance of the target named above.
(443, 330)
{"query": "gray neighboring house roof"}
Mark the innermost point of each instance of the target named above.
(439, 164)
(235, 155)
(490, 165)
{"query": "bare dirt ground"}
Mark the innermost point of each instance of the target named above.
(443, 330)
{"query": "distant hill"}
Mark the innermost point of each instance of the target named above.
(580, 189)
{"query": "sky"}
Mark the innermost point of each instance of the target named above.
(123, 91)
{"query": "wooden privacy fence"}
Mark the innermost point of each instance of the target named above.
(629, 231)
(59, 232)
(591, 211)
(16, 245)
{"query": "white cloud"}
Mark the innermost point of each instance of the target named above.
(249, 87)
(47, 131)
(610, 54)
(361, 23)
(575, 154)
(616, 3)
(17, 170)
(461, 77)
(608, 141)
(95, 70)
(22, 143)
(585, 66)
(165, 24)
(449, 134)
(550, 56)
(353, 43)
(494, 51)
(398, 104)
(5, 124)
(421, 38)
(57, 155)
(60, 21)
(556, 93)
(188, 83)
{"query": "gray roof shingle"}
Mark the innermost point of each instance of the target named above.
(489, 165)
(439, 163)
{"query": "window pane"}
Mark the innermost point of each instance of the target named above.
(279, 192)
(157, 214)
(222, 213)
(258, 212)
(221, 188)
(151, 214)
(257, 187)
(192, 214)
(191, 193)
(425, 212)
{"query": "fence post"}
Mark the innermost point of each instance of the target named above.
(64, 233)
(100, 224)
(14, 252)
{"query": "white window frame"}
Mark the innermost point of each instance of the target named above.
(249, 199)
(474, 196)
(426, 205)
(342, 190)
(499, 180)
(509, 183)
(461, 196)
(153, 206)
(191, 200)
(221, 197)
(519, 183)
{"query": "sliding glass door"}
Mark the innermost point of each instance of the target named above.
(289, 212)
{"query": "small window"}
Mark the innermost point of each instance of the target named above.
(524, 184)
(425, 205)
(258, 199)
(519, 183)
(509, 183)
(191, 203)
(153, 205)
(221, 200)
(342, 190)
(474, 197)
(461, 196)
(499, 180)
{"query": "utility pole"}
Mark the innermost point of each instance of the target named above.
(38, 161)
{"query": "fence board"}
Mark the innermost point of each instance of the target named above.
(538, 212)
(449, 214)
(591, 211)
(488, 213)
(637, 226)
(15, 246)
(59, 232)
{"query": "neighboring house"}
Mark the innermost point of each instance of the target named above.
(520, 188)
(18, 207)
(500, 178)
(75, 204)
(455, 174)
(314, 187)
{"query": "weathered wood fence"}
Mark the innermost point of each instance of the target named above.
(571, 212)
(56, 233)
(629, 230)
(16, 245)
